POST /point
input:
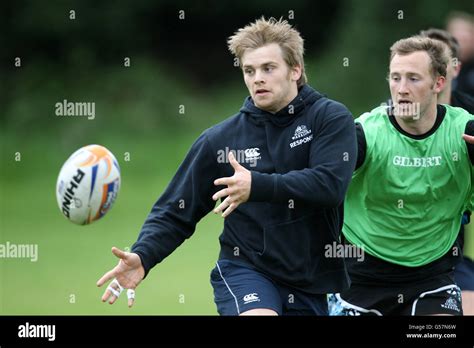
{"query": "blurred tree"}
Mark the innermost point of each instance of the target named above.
(355, 62)
(189, 35)
(178, 55)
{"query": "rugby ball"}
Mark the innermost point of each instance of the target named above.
(88, 184)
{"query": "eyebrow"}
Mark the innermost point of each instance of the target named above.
(407, 73)
(263, 64)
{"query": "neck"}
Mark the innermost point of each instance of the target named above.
(420, 125)
(445, 96)
(292, 95)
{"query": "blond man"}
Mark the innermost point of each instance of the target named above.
(280, 168)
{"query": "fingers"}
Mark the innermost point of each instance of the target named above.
(226, 207)
(111, 274)
(112, 299)
(229, 210)
(224, 181)
(223, 205)
(229, 180)
(220, 194)
(108, 295)
(234, 162)
(113, 292)
(131, 297)
(106, 277)
(119, 253)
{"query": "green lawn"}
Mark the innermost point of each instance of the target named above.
(72, 258)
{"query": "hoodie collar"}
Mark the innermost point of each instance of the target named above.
(306, 97)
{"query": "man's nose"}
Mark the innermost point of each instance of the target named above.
(402, 87)
(259, 77)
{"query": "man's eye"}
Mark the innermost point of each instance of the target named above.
(395, 78)
(268, 69)
(248, 71)
(413, 79)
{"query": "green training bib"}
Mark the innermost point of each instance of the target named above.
(405, 203)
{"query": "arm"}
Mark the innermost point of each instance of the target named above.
(361, 145)
(173, 219)
(332, 160)
(469, 138)
(186, 200)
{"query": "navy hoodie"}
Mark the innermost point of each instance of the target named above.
(301, 161)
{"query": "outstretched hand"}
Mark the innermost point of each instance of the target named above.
(237, 191)
(129, 273)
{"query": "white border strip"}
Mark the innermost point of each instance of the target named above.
(413, 308)
(227, 285)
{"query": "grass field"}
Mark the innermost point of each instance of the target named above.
(71, 258)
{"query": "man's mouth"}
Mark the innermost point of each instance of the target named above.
(261, 91)
(404, 102)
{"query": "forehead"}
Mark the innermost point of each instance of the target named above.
(416, 62)
(460, 26)
(261, 55)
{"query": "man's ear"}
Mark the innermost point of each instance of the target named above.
(439, 84)
(296, 72)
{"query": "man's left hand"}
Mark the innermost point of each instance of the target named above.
(237, 191)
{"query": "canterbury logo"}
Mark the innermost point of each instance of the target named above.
(252, 153)
(251, 298)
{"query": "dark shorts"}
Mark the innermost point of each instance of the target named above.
(464, 274)
(238, 288)
(437, 295)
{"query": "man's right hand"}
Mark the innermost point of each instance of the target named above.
(129, 273)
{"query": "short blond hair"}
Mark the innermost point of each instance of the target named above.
(434, 48)
(263, 32)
